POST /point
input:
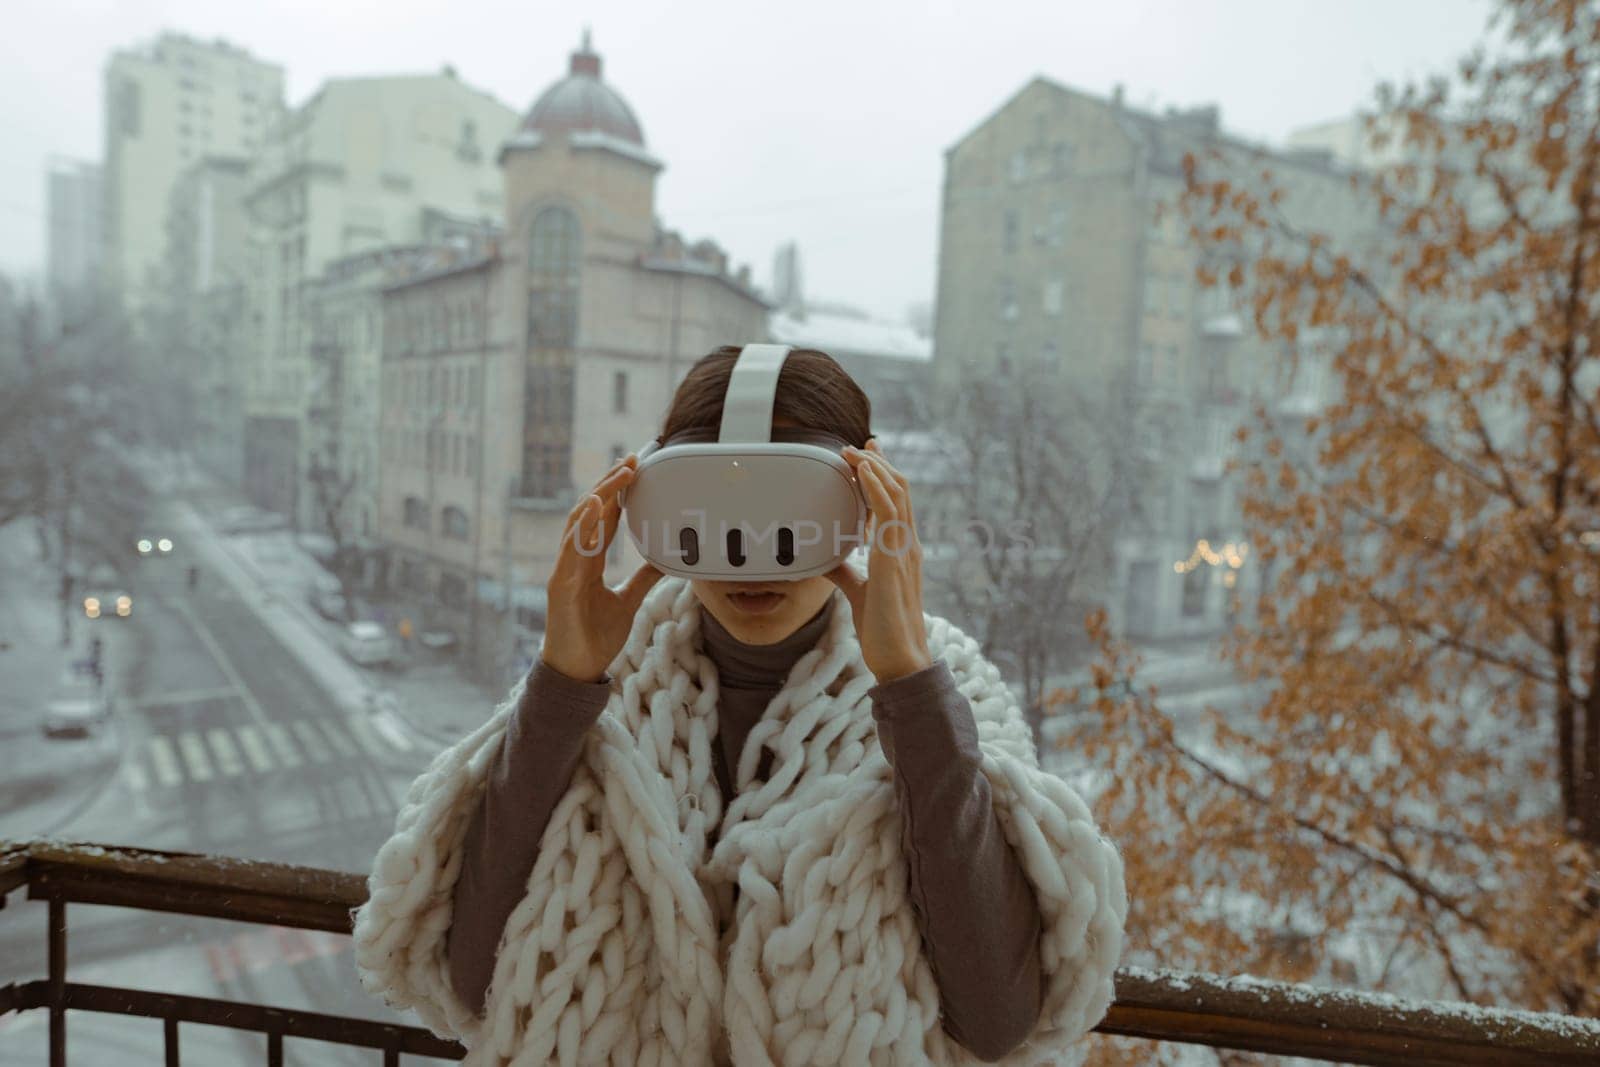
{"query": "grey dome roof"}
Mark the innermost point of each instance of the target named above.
(581, 101)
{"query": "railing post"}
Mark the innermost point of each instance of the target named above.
(58, 982)
(170, 1032)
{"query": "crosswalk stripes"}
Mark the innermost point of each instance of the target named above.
(278, 735)
(255, 749)
(228, 762)
(194, 755)
(138, 781)
(206, 754)
(165, 761)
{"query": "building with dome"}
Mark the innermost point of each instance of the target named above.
(513, 379)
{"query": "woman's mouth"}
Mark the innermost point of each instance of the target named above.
(756, 601)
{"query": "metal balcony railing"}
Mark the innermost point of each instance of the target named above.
(1227, 1013)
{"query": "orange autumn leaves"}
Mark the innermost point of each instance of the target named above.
(1411, 798)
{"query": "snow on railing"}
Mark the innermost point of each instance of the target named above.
(1239, 1012)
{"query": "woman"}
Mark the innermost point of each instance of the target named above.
(745, 823)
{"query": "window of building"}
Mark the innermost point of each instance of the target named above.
(619, 392)
(1061, 159)
(1051, 302)
(473, 387)
(129, 108)
(1177, 295)
(415, 513)
(1057, 230)
(454, 522)
(1050, 356)
(1019, 165)
(1009, 228)
(1008, 300)
(1002, 358)
(472, 457)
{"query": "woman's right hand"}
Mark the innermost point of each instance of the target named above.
(586, 621)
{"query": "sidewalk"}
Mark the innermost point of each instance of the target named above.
(42, 779)
(273, 576)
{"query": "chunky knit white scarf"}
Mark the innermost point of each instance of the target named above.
(628, 948)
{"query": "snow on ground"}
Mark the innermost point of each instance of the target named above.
(273, 575)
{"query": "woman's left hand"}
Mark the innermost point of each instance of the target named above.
(887, 604)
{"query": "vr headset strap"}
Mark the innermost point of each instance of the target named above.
(747, 407)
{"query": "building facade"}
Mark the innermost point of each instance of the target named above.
(1062, 245)
(197, 316)
(365, 164)
(75, 192)
(168, 105)
(512, 382)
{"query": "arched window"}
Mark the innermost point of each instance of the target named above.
(554, 271)
(416, 513)
(455, 522)
(553, 244)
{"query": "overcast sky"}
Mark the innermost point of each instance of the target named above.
(819, 120)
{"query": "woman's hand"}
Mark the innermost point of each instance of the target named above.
(887, 605)
(587, 621)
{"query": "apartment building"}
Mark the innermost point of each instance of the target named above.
(1062, 245)
(365, 164)
(170, 103)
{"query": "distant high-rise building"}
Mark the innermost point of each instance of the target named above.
(73, 195)
(169, 104)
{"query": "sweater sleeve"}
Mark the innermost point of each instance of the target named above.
(977, 912)
(526, 781)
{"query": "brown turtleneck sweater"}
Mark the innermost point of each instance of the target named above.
(977, 913)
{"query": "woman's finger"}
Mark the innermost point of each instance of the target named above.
(899, 488)
(583, 502)
(570, 561)
(611, 515)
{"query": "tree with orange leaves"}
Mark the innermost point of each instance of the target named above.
(1414, 804)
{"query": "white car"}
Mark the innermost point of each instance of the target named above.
(76, 708)
(367, 643)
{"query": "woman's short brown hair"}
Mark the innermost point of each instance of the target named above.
(813, 391)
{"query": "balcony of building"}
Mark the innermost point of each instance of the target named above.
(1242, 1013)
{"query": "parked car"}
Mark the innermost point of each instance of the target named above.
(367, 643)
(78, 705)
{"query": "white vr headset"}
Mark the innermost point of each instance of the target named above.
(748, 503)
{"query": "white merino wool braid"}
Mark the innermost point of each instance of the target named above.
(624, 950)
